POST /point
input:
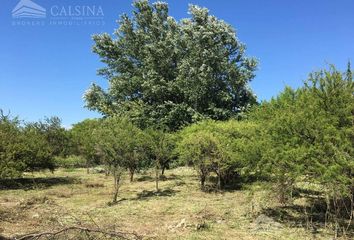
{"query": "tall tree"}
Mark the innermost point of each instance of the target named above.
(214, 71)
(161, 71)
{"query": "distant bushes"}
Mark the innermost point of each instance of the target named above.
(29, 146)
(72, 161)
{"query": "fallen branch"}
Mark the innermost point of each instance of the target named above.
(112, 234)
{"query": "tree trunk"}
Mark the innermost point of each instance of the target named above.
(202, 182)
(116, 175)
(115, 194)
(163, 170)
(219, 178)
(131, 174)
(87, 167)
(157, 176)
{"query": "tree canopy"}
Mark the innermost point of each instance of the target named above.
(162, 71)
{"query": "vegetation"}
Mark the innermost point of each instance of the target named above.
(121, 146)
(161, 145)
(179, 98)
(308, 136)
(179, 211)
(161, 71)
(29, 147)
(223, 148)
(70, 162)
(84, 142)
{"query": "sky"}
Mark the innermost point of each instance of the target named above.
(46, 67)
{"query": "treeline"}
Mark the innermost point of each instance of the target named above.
(303, 135)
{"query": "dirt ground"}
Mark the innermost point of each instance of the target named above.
(71, 197)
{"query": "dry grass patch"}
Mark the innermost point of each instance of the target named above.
(179, 211)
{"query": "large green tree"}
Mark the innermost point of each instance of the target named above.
(161, 71)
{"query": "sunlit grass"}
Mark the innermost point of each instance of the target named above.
(179, 211)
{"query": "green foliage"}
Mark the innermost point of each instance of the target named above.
(224, 148)
(56, 136)
(10, 146)
(161, 71)
(37, 152)
(121, 145)
(214, 72)
(308, 133)
(29, 147)
(161, 145)
(332, 94)
(82, 135)
(71, 161)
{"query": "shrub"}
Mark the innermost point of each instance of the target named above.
(224, 148)
(308, 134)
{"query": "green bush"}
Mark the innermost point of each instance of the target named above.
(24, 147)
(227, 149)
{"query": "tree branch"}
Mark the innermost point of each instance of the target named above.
(113, 234)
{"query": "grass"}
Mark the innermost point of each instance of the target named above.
(179, 211)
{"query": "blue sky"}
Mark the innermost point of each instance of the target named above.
(45, 68)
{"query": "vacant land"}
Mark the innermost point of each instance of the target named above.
(46, 202)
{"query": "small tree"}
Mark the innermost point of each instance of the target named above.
(84, 142)
(122, 145)
(202, 150)
(57, 137)
(308, 134)
(25, 148)
(162, 145)
(37, 152)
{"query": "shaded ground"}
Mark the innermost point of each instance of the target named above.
(35, 182)
(179, 211)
